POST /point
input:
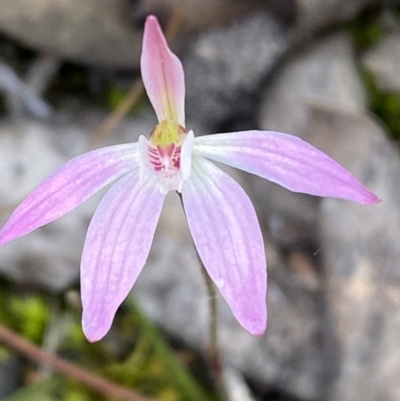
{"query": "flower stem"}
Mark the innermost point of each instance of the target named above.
(212, 348)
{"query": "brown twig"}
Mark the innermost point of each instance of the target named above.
(67, 368)
(113, 120)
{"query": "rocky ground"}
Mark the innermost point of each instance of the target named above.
(318, 69)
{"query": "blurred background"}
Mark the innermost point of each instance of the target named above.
(325, 70)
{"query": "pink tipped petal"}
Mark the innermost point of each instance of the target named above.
(286, 160)
(68, 187)
(228, 239)
(116, 248)
(162, 74)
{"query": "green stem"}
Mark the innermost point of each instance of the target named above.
(212, 345)
(212, 348)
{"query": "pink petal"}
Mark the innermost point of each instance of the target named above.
(186, 155)
(116, 248)
(162, 74)
(286, 160)
(68, 187)
(228, 239)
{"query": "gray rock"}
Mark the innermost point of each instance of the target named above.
(102, 32)
(383, 60)
(316, 14)
(306, 15)
(325, 72)
(99, 32)
(236, 385)
(361, 250)
(91, 31)
(225, 66)
(198, 15)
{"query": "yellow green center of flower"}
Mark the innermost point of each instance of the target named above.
(164, 152)
(167, 133)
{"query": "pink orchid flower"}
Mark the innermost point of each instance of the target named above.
(220, 215)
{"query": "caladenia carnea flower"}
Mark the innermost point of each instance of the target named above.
(220, 215)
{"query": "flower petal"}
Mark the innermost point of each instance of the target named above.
(228, 239)
(186, 155)
(68, 187)
(162, 74)
(116, 248)
(286, 160)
